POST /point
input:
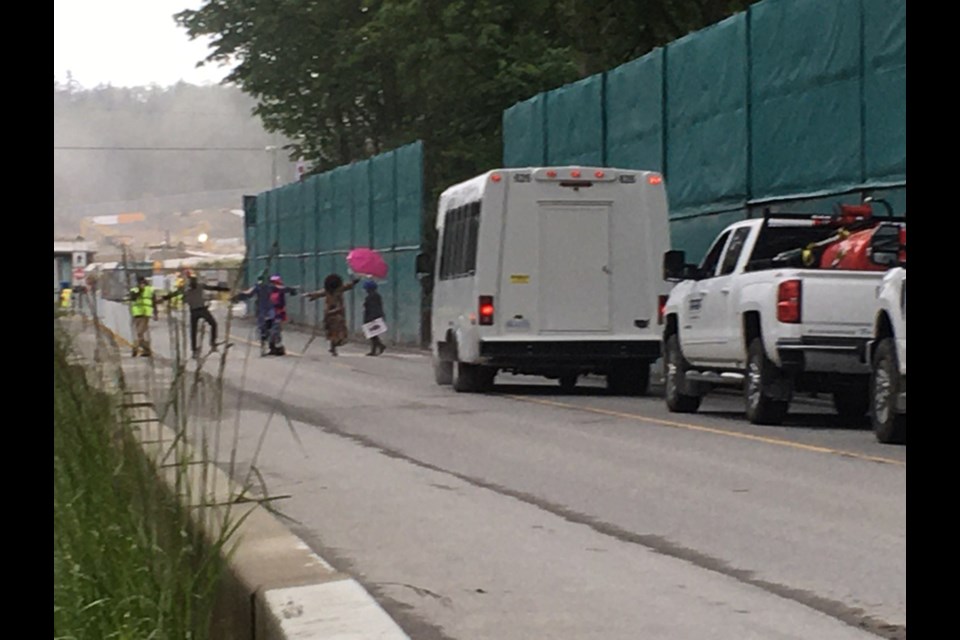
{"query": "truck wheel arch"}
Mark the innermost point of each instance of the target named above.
(883, 328)
(751, 327)
(670, 327)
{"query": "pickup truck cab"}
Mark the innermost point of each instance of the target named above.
(760, 313)
(887, 351)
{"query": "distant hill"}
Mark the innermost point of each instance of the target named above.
(221, 154)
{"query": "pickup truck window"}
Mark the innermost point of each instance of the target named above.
(774, 240)
(708, 267)
(732, 255)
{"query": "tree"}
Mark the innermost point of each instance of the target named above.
(353, 78)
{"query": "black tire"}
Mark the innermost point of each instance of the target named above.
(442, 371)
(889, 426)
(629, 379)
(852, 401)
(472, 378)
(568, 381)
(675, 367)
(761, 373)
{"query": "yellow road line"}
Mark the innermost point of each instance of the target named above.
(703, 429)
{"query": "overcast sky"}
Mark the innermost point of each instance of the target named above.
(127, 43)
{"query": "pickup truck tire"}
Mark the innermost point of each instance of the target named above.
(472, 378)
(675, 367)
(761, 374)
(442, 371)
(629, 379)
(888, 426)
(852, 402)
(568, 381)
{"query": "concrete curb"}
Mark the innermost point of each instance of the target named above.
(275, 587)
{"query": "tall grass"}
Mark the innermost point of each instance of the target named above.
(127, 561)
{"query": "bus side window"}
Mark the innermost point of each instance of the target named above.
(442, 244)
(473, 235)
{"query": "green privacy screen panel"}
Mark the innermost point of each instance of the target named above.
(575, 123)
(316, 222)
(409, 181)
(695, 234)
(383, 206)
(805, 96)
(634, 113)
(707, 143)
(291, 219)
(360, 197)
(885, 90)
(524, 134)
(310, 193)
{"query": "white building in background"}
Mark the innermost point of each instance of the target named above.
(70, 260)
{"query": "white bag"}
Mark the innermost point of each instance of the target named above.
(374, 328)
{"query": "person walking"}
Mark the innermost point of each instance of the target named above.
(143, 306)
(193, 296)
(271, 311)
(372, 311)
(334, 309)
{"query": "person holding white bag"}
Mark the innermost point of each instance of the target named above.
(373, 311)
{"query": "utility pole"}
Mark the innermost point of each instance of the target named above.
(273, 162)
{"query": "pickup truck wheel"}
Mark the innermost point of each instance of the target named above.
(888, 426)
(852, 402)
(442, 371)
(675, 367)
(761, 373)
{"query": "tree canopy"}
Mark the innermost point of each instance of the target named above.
(349, 79)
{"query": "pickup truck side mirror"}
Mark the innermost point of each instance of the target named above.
(424, 265)
(675, 267)
(886, 247)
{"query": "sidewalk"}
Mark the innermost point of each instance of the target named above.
(276, 588)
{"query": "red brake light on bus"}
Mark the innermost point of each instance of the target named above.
(575, 173)
(789, 294)
(486, 310)
(661, 308)
(655, 178)
(599, 174)
(495, 177)
(551, 174)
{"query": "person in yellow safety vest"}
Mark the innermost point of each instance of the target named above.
(176, 296)
(65, 293)
(143, 306)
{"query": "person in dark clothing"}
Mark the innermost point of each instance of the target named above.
(373, 310)
(334, 309)
(271, 311)
(193, 296)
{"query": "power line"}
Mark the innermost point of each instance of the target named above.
(68, 148)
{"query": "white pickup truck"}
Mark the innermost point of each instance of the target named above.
(887, 351)
(752, 315)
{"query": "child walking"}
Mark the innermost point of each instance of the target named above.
(373, 310)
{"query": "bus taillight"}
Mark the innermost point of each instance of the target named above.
(486, 310)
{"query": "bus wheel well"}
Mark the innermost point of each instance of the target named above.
(447, 350)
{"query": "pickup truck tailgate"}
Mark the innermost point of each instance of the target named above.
(838, 303)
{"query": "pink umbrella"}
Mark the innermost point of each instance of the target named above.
(367, 262)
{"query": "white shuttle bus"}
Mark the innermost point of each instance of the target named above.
(552, 271)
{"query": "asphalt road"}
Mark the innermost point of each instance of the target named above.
(533, 513)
